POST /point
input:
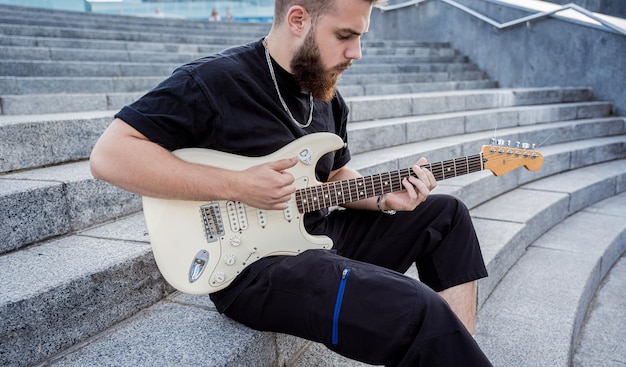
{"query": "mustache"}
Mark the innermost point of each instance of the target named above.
(344, 65)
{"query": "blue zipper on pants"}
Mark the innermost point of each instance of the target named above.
(342, 289)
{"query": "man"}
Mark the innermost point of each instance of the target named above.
(252, 100)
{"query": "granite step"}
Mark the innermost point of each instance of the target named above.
(536, 311)
(368, 108)
(368, 48)
(140, 67)
(514, 220)
(20, 85)
(72, 288)
(39, 140)
(58, 200)
(39, 53)
(362, 107)
(96, 44)
(600, 339)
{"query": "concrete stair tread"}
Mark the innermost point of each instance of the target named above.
(77, 43)
(38, 85)
(160, 334)
(550, 287)
(418, 87)
(57, 200)
(508, 223)
(71, 288)
(601, 337)
(31, 141)
(51, 264)
(396, 131)
(364, 108)
(52, 117)
(39, 53)
(426, 76)
(62, 128)
(374, 48)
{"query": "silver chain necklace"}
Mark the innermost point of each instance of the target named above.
(269, 65)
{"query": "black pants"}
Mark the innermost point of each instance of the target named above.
(355, 299)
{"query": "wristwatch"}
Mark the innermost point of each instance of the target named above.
(389, 212)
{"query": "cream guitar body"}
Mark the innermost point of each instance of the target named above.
(200, 247)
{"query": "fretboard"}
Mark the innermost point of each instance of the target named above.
(329, 194)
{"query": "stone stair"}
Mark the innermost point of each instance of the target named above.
(79, 284)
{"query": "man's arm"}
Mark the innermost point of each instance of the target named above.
(126, 158)
(416, 189)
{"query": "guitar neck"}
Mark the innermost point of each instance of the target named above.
(329, 194)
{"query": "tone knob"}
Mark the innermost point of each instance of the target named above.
(219, 277)
(230, 259)
(235, 241)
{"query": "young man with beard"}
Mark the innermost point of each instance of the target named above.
(252, 100)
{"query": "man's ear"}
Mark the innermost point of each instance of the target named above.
(298, 20)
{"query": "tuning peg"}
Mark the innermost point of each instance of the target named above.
(525, 145)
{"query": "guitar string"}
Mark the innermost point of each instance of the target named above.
(395, 181)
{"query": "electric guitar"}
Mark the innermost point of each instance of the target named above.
(200, 247)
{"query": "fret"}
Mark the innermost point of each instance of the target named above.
(372, 187)
(337, 194)
(359, 188)
(319, 196)
(315, 197)
(349, 185)
(459, 166)
(328, 200)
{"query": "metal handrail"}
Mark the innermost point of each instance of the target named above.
(513, 23)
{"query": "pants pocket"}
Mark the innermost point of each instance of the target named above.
(338, 302)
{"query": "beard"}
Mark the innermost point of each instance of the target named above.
(310, 72)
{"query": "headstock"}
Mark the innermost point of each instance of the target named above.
(501, 158)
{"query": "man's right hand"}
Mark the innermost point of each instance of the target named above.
(267, 186)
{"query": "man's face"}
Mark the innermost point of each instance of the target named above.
(330, 46)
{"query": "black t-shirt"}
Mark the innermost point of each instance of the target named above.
(228, 102)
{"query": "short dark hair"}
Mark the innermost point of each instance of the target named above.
(315, 8)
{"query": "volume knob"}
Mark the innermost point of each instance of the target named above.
(235, 241)
(230, 259)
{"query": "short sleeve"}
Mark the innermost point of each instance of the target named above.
(173, 114)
